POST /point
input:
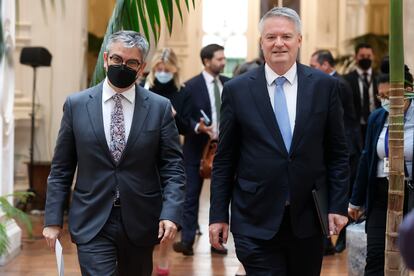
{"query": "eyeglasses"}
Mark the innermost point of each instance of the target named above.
(131, 63)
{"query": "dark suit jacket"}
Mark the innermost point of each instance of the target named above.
(194, 143)
(364, 186)
(252, 168)
(351, 121)
(150, 173)
(352, 79)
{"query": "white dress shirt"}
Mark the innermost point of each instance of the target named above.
(290, 87)
(408, 144)
(209, 79)
(128, 102)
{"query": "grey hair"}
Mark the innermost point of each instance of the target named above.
(130, 39)
(282, 12)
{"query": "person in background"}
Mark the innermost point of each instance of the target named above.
(123, 143)
(164, 80)
(281, 136)
(324, 61)
(370, 189)
(363, 82)
(205, 90)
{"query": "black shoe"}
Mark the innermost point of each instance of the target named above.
(341, 241)
(186, 250)
(219, 251)
(340, 246)
(329, 251)
(328, 247)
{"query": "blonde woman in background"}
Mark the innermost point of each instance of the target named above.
(163, 79)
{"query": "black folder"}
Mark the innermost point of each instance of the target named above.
(320, 197)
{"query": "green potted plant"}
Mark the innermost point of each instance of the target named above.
(8, 212)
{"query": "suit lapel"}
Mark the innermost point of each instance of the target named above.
(141, 108)
(260, 94)
(303, 103)
(204, 94)
(94, 108)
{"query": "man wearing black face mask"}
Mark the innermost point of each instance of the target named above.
(129, 191)
(363, 82)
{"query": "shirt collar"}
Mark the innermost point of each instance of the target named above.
(271, 76)
(207, 77)
(361, 72)
(108, 92)
(332, 73)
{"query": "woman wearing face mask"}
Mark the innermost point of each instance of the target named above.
(370, 189)
(164, 80)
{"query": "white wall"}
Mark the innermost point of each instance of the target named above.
(63, 31)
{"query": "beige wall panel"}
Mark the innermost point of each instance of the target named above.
(378, 16)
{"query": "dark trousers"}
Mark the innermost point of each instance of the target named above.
(191, 203)
(284, 254)
(375, 226)
(111, 252)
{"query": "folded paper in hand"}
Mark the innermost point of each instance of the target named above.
(59, 258)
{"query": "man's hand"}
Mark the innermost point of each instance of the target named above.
(354, 213)
(219, 232)
(167, 230)
(336, 223)
(51, 233)
(202, 127)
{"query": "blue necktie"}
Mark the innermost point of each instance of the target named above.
(281, 112)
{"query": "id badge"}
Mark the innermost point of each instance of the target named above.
(386, 165)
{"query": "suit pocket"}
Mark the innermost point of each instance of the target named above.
(248, 186)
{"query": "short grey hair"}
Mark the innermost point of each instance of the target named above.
(282, 12)
(130, 39)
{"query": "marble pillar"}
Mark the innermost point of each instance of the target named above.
(7, 125)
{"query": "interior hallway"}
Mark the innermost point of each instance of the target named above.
(36, 260)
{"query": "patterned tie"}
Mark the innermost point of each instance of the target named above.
(281, 112)
(217, 99)
(117, 129)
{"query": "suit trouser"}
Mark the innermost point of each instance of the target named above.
(375, 226)
(191, 203)
(111, 252)
(284, 254)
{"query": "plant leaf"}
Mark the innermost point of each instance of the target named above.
(138, 15)
(153, 14)
(177, 3)
(168, 13)
(4, 241)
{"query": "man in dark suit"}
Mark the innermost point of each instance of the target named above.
(205, 90)
(281, 136)
(324, 61)
(129, 191)
(363, 82)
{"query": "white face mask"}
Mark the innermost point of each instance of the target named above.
(163, 77)
(385, 103)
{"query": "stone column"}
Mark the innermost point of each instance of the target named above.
(7, 125)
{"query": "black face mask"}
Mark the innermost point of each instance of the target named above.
(364, 63)
(121, 76)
